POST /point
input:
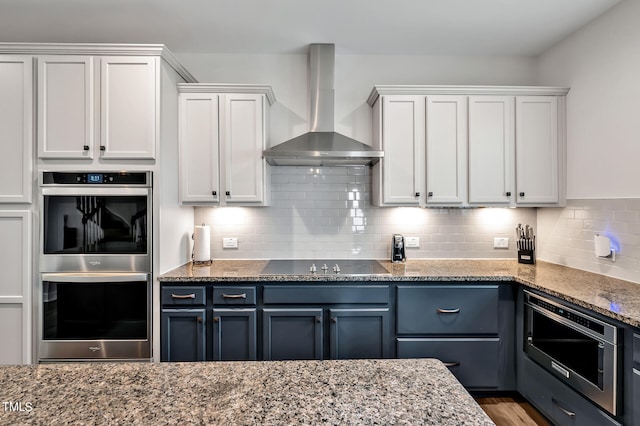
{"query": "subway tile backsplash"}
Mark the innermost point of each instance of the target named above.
(566, 235)
(326, 212)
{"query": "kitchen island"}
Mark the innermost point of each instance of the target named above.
(350, 392)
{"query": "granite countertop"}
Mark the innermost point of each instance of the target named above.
(353, 392)
(614, 298)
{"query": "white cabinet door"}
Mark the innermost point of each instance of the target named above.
(243, 140)
(402, 167)
(199, 148)
(16, 123)
(66, 107)
(15, 285)
(129, 107)
(491, 150)
(446, 150)
(537, 149)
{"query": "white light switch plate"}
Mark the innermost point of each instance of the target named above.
(229, 243)
(412, 242)
(499, 242)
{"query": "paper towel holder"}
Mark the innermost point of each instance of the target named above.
(603, 248)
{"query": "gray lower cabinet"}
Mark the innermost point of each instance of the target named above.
(359, 333)
(635, 379)
(326, 321)
(466, 326)
(183, 333)
(234, 334)
(289, 333)
(183, 329)
(474, 361)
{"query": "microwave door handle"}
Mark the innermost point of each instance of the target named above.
(94, 278)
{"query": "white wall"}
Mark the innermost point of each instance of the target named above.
(355, 76)
(601, 64)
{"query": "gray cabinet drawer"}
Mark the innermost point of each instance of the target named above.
(323, 294)
(447, 309)
(183, 295)
(474, 362)
(234, 295)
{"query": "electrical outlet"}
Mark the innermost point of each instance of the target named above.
(229, 243)
(500, 243)
(412, 242)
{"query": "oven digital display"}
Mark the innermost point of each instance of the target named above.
(94, 177)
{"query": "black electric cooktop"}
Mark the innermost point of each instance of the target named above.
(324, 267)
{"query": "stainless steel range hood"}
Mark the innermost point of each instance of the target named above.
(322, 146)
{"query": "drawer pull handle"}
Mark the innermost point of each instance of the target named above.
(448, 311)
(234, 296)
(199, 320)
(183, 296)
(564, 410)
(451, 364)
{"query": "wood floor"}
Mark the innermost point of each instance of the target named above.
(511, 411)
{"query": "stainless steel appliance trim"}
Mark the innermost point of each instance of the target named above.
(149, 179)
(101, 277)
(607, 397)
(81, 191)
(74, 350)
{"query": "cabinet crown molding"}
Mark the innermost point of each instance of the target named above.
(99, 49)
(262, 89)
(380, 90)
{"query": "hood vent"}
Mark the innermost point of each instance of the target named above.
(322, 146)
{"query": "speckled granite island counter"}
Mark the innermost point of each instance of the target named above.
(617, 299)
(353, 392)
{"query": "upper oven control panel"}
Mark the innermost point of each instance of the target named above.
(97, 178)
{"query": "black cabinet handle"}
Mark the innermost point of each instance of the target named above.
(103, 148)
(448, 311)
(228, 193)
(86, 147)
(451, 364)
(522, 194)
(508, 194)
(430, 194)
(417, 194)
(214, 193)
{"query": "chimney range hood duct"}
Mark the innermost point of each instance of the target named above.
(322, 146)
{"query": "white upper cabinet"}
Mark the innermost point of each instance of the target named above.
(537, 150)
(243, 140)
(491, 150)
(128, 107)
(399, 123)
(16, 123)
(199, 148)
(66, 106)
(446, 150)
(222, 136)
(125, 91)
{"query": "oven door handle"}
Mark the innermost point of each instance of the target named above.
(94, 278)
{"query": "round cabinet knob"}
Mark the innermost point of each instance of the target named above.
(430, 194)
(214, 193)
(334, 320)
(522, 194)
(508, 193)
(417, 194)
(86, 147)
(228, 193)
(103, 148)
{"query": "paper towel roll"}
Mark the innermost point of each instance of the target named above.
(202, 244)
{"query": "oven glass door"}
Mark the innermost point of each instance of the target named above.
(575, 350)
(95, 224)
(112, 309)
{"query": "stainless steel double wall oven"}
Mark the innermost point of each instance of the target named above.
(95, 266)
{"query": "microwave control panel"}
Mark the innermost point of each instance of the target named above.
(97, 178)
